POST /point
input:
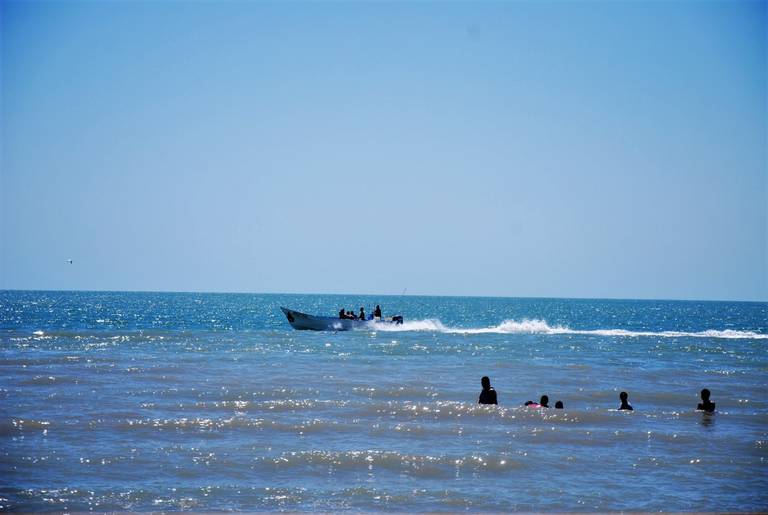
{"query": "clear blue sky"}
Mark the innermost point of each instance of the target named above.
(513, 149)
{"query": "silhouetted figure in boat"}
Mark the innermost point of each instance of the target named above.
(559, 405)
(377, 312)
(706, 404)
(488, 395)
(361, 316)
(351, 316)
(342, 314)
(624, 404)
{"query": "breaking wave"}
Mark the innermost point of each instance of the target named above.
(535, 326)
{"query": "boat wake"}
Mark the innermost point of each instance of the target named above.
(534, 326)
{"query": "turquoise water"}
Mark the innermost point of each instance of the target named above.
(163, 401)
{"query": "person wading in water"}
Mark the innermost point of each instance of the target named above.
(488, 395)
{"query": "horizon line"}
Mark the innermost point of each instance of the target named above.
(383, 295)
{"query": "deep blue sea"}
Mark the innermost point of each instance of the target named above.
(187, 401)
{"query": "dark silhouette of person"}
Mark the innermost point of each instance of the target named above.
(488, 395)
(351, 315)
(342, 314)
(377, 311)
(706, 404)
(624, 404)
(361, 316)
(559, 405)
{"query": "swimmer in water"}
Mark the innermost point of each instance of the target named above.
(624, 404)
(488, 395)
(543, 403)
(559, 405)
(706, 404)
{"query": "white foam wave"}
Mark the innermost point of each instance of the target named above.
(534, 326)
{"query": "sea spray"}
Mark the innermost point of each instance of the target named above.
(535, 326)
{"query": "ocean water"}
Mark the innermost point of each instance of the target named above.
(185, 401)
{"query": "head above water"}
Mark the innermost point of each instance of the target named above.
(705, 394)
(486, 382)
(559, 405)
(544, 401)
(623, 396)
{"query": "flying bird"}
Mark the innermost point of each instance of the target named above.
(69, 261)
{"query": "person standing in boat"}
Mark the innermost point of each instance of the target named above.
(361, 316)
(377, 312)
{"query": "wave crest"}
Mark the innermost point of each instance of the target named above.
(537, 326)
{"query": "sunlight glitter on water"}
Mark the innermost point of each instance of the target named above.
(117, 407)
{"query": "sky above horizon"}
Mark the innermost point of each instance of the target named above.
(542, 149)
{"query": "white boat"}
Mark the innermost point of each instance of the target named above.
(302, 321)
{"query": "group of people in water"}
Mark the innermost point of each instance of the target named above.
(350, 315)
(488, 396)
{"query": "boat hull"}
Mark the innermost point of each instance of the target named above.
(304, 322)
